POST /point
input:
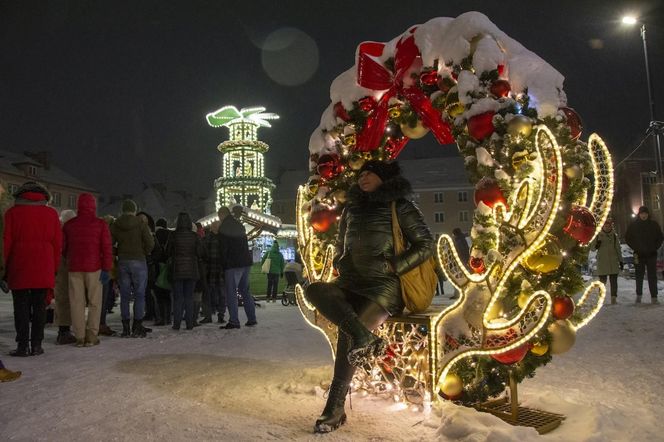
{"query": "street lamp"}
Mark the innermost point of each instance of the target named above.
(655, 127)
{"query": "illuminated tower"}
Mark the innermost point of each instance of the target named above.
(243, 178)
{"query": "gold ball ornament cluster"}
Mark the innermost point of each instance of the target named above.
(563, 336)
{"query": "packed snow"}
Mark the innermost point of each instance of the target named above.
(267, 383)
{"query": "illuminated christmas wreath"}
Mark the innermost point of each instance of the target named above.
(541, 193)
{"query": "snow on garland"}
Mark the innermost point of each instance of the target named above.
(465, 81)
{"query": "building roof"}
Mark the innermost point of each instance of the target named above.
(51, 175)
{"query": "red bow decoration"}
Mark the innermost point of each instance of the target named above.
(372, 74)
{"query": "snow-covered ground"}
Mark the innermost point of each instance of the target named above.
(263, 383)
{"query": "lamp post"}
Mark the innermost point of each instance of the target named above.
(653, 127)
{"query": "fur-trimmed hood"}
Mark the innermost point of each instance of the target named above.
(391, 190)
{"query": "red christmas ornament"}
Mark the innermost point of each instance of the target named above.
(329, 166)
(580, 224)
(340, 111)
(477, 264)
(573, 121)
(455, 75)
(563, 307)
(481, 126)
(488, 191)
(500, 88)
(514, 355)
(367, 104)
(322, 220)
(501, 69)
(429, 78)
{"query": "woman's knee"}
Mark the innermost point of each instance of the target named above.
(317, 290)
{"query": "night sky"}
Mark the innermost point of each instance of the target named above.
(118, 90)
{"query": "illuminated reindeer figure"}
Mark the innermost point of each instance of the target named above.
(466, 327)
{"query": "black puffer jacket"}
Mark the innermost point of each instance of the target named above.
(186, 250)
(366, 243)
(233, 245)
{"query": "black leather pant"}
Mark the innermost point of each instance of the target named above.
(338, 306)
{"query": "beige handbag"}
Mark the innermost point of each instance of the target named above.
(418, 286)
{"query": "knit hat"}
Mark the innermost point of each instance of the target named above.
(384, 170)
(644, 209)
(129, 206)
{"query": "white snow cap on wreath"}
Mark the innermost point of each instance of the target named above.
(449, 40)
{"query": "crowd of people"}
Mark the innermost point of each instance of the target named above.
(78, 263)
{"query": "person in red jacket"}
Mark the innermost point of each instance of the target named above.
(33, 245)
(87, 249)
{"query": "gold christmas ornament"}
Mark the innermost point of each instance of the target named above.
(520, 125)
(350, 140)
(563, 336)
(522, 300)
(539, 348)
(519, 159)
(451, 386)
(394, 112)
(356, 162)
(340, 196)
(414, 132)
(573, 172)
(474, 41)
(312, 187)
(547, 258)
(455, 109)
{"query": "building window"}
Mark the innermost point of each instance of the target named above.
(463, 216)
(72, 202)
(439, 217)
(463, 196)
(32, 171)
(57, 199)
(438, 197)
(12, 188)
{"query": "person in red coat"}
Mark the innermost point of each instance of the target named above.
(33, 245)
(87, 249)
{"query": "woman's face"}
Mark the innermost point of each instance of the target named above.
(369, 181)
(608, 225)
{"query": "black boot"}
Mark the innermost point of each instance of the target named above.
(64, 336)
(333, 415)
(36, 349)
(138, 331)
(21, 351)
(126, 332)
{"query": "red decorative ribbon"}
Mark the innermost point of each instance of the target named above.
(372, 74)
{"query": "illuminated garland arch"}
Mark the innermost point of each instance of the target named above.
(522, 296)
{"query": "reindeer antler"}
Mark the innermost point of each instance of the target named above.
(462, 331)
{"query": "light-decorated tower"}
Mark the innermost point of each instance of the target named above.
(243, 178)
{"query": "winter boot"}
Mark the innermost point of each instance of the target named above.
(126, 332)
(36, 349)
(614, 300)
(21, 351)
(105, 330)
(64, 336)
(8, 375)
(333, 415)
(638, 299)
(137, 330)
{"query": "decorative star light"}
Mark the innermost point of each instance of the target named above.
(229, 115)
